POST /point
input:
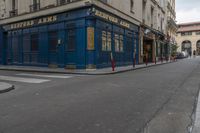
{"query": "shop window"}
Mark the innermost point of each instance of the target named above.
(109, 41)
(117, 43)
(121, 43)
(71, 40)
(34, 42)
(53, 41)
(129, 43)
(106, 41)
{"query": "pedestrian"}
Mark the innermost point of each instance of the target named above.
(190, 54)
(194, 53)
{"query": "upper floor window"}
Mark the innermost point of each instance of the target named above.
(14, 4)
(186, 34)
(61, 2)
(35, 5)
(105, 1)
(14, 7)
(152, 16)
(198, 33)
(132, 3)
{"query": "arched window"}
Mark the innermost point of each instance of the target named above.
(198, 47)
(187, 46)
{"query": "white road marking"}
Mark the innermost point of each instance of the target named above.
(197, 118)
(45, 76)
(25, 80)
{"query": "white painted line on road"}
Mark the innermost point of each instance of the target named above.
(44, 76)
(25, 80)
(196, 128)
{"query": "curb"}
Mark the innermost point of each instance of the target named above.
(132, 69)
(86, 73)
(12, 87)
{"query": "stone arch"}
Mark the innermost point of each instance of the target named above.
(198, 47)
(186, 46)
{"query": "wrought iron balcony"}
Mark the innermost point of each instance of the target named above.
(63, 2)
(13, 13)
(172, 23)
(35, 7)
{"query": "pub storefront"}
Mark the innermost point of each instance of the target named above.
(80, 39)
(153, 46)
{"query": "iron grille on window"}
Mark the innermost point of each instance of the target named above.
(35, 7)
(13, 13)
(62, 2)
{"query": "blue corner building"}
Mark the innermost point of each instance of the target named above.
(86, 37)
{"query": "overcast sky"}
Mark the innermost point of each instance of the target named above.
(187, 11)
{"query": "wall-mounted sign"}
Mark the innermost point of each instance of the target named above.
(90, 38)
(112, 18)
(30, 23)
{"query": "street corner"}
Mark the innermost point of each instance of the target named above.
(5, 87)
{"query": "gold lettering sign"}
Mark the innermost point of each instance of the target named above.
(33, 22)
(90, 38)
(112, 19)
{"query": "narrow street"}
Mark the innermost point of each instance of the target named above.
(159, 99)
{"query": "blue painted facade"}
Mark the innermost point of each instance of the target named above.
(35, 45)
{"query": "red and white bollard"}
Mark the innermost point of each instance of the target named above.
(112, 62)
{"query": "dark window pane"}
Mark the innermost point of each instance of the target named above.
(71, 39)
(53, 41)
(26, 43)
(34, 42)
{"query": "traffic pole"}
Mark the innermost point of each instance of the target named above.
(112, 62)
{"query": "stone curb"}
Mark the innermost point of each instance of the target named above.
(7, 88)
(84, 73)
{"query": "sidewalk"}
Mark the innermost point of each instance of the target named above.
(103, 71)
(5, 87)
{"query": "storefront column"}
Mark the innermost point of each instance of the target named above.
(154, 50)
(90, 45)
(1, 45)
(141, 57)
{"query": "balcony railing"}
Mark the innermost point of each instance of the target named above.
(35, 7)
(63, 2)
(13, 13)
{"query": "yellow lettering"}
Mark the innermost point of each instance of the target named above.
(39, 21)
(50, 19)
(54, 18)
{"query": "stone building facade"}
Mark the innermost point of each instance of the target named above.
(153, 30)
(82, 33)
(188, 37)
(171, 20)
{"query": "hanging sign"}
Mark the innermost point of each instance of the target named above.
(90, 38)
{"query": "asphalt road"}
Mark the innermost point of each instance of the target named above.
(159, 99)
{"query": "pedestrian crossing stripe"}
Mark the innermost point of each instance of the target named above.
(24, 80)
(45, 76)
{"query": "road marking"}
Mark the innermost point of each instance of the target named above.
(25, 80)
(196, 128)
(45, 76)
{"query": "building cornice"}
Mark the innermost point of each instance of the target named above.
(69, 7)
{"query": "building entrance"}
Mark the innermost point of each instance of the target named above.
(198, 48)
(187, 46)
(148, 51)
